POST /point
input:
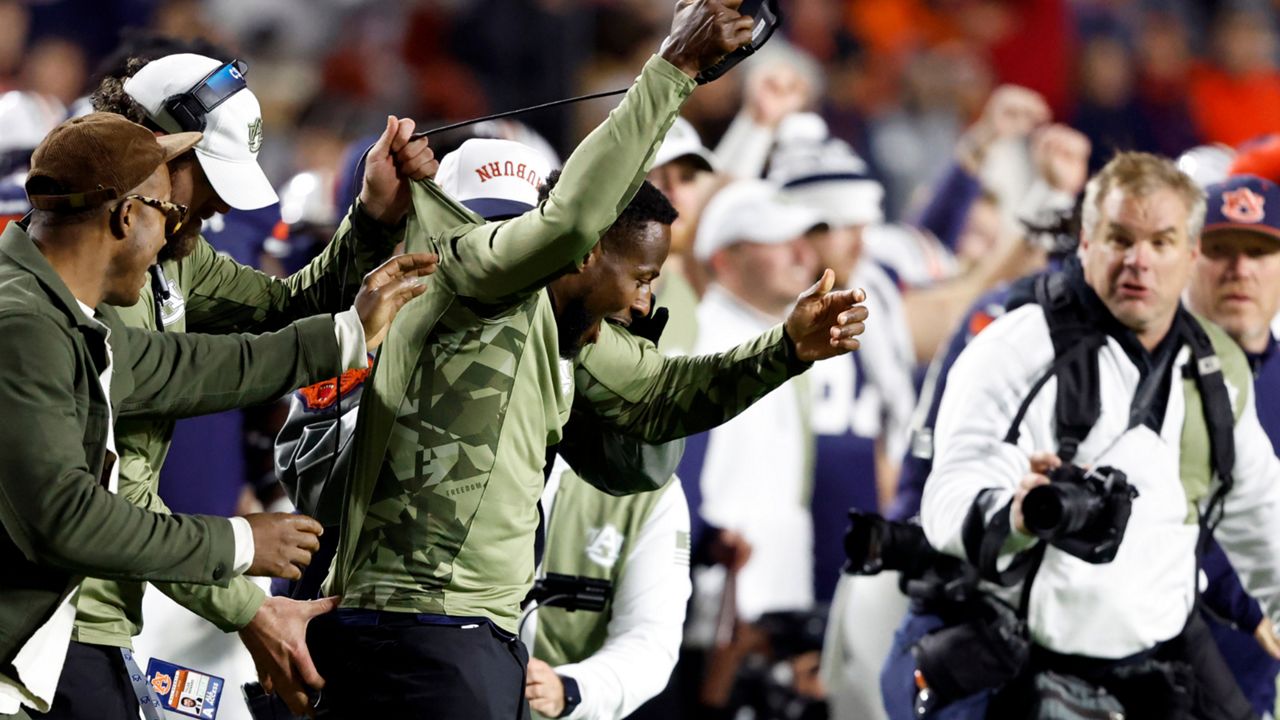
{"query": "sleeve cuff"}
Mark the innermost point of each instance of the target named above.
(244, 545)
(664, 68)
(572, 695)
(368, 224)
(1252, 616)
(791, 359)
(351, 341)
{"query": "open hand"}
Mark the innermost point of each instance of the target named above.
(394, 160)
(774, 92)
(823, 323)
(276, 637)
(387, 289)
(1012, 111)
(1061, 156)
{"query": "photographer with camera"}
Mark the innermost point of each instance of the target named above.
(1157, 442)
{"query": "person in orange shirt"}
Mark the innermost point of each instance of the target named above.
(1238, 96)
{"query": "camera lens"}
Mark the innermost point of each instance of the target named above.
(1052, 511)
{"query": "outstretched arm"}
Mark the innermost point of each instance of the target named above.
(627, 382)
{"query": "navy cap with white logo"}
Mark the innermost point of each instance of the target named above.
(1243, 202)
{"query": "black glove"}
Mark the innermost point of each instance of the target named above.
(650, 326)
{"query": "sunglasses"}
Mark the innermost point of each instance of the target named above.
(174, 213)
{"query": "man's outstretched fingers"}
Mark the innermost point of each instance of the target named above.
(858, 313)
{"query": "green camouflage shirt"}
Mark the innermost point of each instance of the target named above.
(212, 293)
(468, 389)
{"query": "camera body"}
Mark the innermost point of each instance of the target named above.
(873, 543)
(1082, 512)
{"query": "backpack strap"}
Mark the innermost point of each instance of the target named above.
(1206, 387)
(1075, 364)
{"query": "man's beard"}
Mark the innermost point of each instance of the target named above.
(572, 323)
(182, 243)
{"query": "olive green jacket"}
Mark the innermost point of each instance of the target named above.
(210, 292)
(57, 521)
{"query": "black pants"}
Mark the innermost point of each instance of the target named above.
(94, 684)
(403, 669)
(1202, 688)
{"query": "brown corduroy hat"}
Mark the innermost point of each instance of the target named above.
(87, 161)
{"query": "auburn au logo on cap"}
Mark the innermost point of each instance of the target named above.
(255, 135)
(1243, 205)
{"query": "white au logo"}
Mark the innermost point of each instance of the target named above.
(604, 545)
(171, 310)
(566, 378)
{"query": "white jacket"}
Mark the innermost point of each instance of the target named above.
(756, 473)
(1145, 595)
(646, 616)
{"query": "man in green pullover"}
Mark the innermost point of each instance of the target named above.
(211, 293)
(474, 383)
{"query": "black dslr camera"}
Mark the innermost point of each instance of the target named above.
(873, 544)
(930, 578)
(1081, 512)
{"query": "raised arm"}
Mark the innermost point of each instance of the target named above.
(624, 380)
(178, 375)
(495, 261)
(628, 382)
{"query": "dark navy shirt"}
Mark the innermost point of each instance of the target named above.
(1253, 668)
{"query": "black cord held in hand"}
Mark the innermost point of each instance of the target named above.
(521, 111)
(364, 156)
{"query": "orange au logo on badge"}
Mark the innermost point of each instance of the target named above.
(1243, 205)
(161, 683)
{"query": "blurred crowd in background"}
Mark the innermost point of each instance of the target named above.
(898, 79)
(915, 89)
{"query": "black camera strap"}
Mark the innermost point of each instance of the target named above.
(1079, 404)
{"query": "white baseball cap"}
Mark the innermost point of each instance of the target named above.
(494, 178)
(751, 211)
(25, 119)
(682, 141)
(823, 172)
(228, 152)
